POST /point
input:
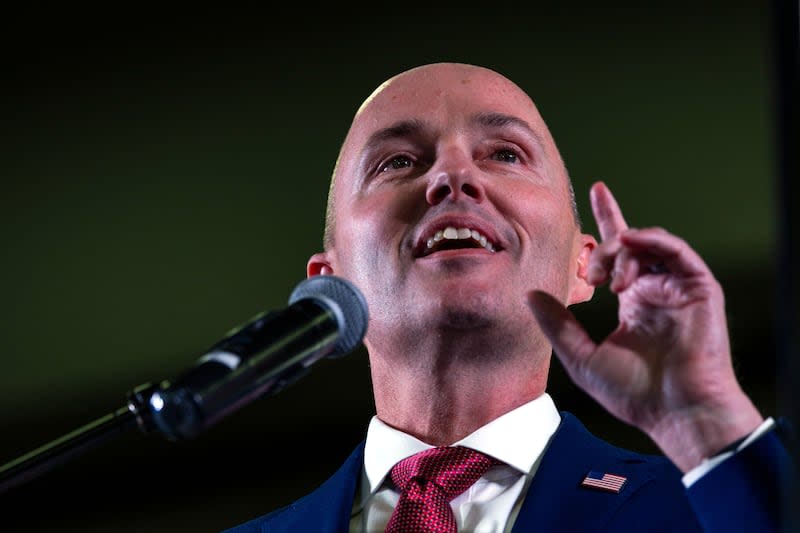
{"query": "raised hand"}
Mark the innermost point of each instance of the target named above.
(667, 367)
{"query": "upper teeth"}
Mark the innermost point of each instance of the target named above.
(452, 233)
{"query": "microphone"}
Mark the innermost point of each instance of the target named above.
(327, 316)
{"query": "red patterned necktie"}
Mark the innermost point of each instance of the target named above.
(427, 482)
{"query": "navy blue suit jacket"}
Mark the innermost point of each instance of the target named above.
(653, 498)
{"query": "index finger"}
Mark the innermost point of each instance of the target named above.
(606, 211)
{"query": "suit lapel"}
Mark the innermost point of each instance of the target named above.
(556, 501)
(328, 508)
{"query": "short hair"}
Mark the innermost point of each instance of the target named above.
(327, 236)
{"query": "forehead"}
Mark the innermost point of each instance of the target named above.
(444, 96)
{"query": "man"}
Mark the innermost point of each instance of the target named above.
(451, 209)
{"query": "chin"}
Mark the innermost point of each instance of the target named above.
(465, 319)
(462, 311)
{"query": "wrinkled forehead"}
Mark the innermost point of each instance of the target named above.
(445, 97)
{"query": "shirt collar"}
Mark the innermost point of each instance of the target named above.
(517, 438)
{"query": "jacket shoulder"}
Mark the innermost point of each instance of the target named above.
(326, 509)
(584, 483)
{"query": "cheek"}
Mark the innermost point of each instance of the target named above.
(561, 266)
(546, 231)
(374, 230)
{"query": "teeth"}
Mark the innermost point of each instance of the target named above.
(452, 233)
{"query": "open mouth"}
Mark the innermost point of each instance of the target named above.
(452, 238)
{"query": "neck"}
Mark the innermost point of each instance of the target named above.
(448, 386)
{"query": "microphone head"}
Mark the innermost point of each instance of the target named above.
(344, 300)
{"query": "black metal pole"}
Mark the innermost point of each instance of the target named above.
(58, 451)
(44, 458)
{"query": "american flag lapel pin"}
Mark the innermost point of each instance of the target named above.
(604, 481)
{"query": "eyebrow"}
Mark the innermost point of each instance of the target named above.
(414, 127)
(501, 120)
(404, 128)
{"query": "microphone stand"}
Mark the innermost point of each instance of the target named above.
(259, 358)
(205, 393)
(90, 436)
(181, 413)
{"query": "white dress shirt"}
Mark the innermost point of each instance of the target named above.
(518, 439)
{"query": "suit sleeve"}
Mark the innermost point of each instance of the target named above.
(750, 491)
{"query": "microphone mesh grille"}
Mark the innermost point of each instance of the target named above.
(350, 307)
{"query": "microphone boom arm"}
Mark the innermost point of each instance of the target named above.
(327, 318)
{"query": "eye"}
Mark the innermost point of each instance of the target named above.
(397, 162)
(505, 155)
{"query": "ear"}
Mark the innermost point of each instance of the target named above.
(319, 264)
(581, 290)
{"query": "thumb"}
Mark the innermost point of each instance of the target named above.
(571, 343)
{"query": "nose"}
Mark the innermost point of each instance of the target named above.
(454, 176)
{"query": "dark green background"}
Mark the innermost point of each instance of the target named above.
(164, 177)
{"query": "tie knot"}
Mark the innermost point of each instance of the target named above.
(453, 469)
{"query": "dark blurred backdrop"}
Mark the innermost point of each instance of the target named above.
(164, 175)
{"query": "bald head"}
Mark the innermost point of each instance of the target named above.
(442, 86)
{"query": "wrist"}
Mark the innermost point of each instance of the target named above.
(691, 436)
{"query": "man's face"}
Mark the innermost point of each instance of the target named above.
(451, 204)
